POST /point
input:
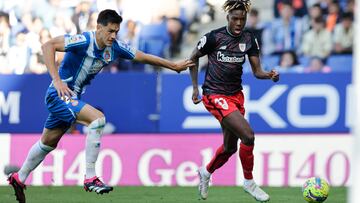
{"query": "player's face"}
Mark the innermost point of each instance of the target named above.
(236, 21)
(107, 34)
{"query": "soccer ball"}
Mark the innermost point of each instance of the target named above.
(315, 190)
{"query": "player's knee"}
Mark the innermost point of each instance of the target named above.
(97, 124)
(46, 146)
(101, 114)
(51, 137)
(249, 138)
(230, 151)
(49, 143)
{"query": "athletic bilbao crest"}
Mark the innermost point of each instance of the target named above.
(242, 47)
(222, 102)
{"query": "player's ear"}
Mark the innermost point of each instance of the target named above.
(227, 17)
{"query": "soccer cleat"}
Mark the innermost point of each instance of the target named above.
(204, 183)
(95, 184)
(255, 191)
(18, 186)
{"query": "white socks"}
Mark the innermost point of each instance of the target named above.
(248, 182)
(92, 147)
(39, 151)
(35, 156)
(206, 172)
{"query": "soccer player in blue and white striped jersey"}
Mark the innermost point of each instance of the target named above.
(86, 54)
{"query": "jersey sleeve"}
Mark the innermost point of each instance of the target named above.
(207, 43)
(75, 42)
(255, 48)
(124, 50)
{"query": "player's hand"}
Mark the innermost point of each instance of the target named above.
(195, 96)
(183, 65)
(62, 89)
(274, 75)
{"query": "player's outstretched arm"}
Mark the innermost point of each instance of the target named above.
(260, 73)
(158, 61)
(49, 49)
(195, 55)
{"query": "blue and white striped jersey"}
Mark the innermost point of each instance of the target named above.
(83, 59)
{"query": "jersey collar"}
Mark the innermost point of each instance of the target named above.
(228, 31)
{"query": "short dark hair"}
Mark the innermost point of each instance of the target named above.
(287, 3)
(5, 16)
(293, 56)
(108, 16)
(318, 5)
(347, 16)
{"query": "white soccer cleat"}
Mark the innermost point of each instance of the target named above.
(255, 191)
(204, 182)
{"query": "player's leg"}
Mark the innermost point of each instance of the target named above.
(219, 106)
(224, 152)
(222, 155)
(36, 155)
(238, 125)
(39, 150)
(95, 121)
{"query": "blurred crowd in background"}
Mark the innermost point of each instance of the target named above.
(303, 36)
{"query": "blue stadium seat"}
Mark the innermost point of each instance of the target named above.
(270, 61)
(304, 61)
(154, 39)
(340, 63)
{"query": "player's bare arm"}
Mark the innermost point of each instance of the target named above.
(49, 50)
(158, 61)
(196, 54)
(260, 73)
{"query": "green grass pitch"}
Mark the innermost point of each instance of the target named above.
(54, 194)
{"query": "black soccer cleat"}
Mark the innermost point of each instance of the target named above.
(96, 185)
(18, 186)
